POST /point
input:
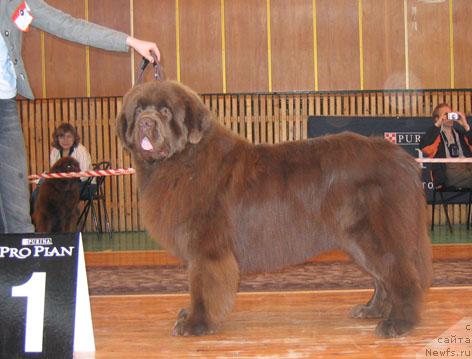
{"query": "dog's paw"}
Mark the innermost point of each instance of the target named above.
(363, 311)
(393, 328)
(185, 327)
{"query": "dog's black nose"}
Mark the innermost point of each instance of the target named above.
(146, 123)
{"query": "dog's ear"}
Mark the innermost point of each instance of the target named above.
(197, 117)
(125, 119)
(122, 127)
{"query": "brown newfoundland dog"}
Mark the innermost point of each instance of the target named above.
(228, 207)
(56, 208)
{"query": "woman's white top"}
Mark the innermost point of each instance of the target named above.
(80, 153)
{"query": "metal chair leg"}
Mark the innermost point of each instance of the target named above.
(433, 205)
(99, 210)
(446, 212)
(95, 222)
(468, 210)
(107, 220)
(83, 215)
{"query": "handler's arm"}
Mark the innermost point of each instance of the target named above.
(63, 25)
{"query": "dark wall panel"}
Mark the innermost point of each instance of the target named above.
(246, 46)
(200, 45)
(292, 45)
(338, 44)
(383, 44)
(110, 72)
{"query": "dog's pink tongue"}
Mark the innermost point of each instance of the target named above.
(146, 144)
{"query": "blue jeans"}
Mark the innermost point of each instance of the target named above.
(14, 193)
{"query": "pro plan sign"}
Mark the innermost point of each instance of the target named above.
(44, 304)
(36, 247)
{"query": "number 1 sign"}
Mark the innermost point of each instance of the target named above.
(44, 303)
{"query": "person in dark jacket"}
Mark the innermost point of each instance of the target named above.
(449, 137)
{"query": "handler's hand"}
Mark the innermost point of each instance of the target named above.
(145, 48)
(463, 121)
(440, 120)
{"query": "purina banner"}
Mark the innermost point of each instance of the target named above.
(404, 131)
(44, 302)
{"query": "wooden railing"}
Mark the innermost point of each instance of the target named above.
(260, 118)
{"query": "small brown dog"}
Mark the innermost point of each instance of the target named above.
(56, 209)
(227, 206)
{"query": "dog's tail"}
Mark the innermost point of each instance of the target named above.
(422, 261)
(422, 255)
(407, 209)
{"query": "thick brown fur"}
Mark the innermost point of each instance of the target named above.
(228, 207)
(56, 208)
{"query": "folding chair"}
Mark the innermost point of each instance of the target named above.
(444, 201)
(95, 203)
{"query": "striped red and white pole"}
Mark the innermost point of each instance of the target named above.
(94, 173)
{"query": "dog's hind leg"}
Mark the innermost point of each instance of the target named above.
(406, 295)
(377, 307)
(398, 293)
(387, 237)
(214, 281)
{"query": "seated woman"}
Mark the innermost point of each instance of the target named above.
(444, 140)
(66, 142)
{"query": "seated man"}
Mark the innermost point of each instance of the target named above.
(442, 140)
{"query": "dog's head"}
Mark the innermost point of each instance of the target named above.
(65, 164)
(159, 119)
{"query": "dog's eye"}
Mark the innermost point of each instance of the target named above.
(138, 110)
(165, 111)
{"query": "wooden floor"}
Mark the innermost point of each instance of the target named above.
(277, 325)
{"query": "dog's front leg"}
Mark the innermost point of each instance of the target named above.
(214, 281)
